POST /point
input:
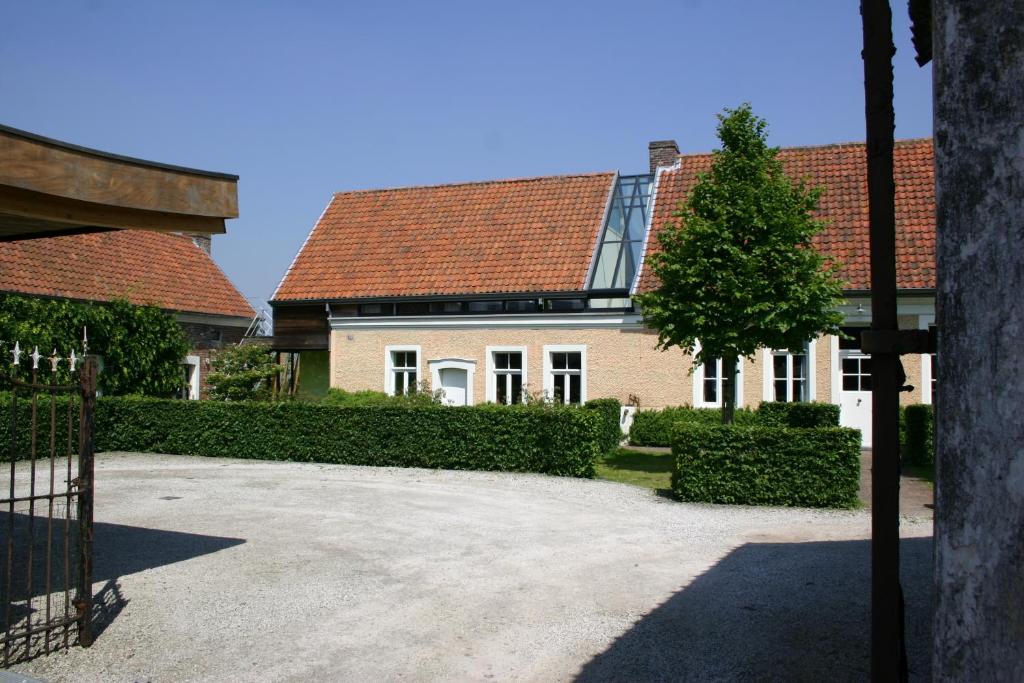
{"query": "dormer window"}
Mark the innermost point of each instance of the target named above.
(622, 238)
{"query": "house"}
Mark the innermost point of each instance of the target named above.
(172, 271)
(491, 289)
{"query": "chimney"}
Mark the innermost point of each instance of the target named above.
(662, 153)
(201, 240)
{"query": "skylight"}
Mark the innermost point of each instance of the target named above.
(622, 238)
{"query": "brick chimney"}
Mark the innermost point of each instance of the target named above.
(662, 153)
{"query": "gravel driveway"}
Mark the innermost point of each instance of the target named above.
(240, 570)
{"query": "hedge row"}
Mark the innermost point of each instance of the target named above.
(918, 435)
(23, 426)
(610, 411)
(765, 465)
(655, 427)
(551, 439)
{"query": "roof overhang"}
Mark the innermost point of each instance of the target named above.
(50, 188)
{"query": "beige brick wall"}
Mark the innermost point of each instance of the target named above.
(620, 362)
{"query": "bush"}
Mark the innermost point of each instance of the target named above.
(23, 426)
(654, 427)
(553, 440)
(610, 410)
(918, 435)
(243, 373)
(798, 414)
(356, 399)
(763, 465)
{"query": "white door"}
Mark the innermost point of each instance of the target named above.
(855, 393)
(454, 382)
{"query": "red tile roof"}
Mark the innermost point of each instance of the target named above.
(169, 271)
(841, 170)
(523, 235)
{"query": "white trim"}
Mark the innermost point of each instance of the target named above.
(923, 322)
(299, 252)
(436, 366)
(389, 386)
(491, 391)
(650, 223)
(549, 378)
(484, 321)
(600, 230)
(193, 388)
(698, 383)
(812, 360)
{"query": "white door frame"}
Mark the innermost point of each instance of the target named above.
(469, 366)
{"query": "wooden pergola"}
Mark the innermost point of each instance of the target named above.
(50, 188)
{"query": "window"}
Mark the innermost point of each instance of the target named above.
(789, 376)
(622, 238)
(401, 370)
(856, 371)
(710, 382)
(566, 373)
(508, 377)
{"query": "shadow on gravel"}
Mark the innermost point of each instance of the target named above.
(118, 550)
(774, 611)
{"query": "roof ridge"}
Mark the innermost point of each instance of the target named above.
(494, 181)
(850, 143)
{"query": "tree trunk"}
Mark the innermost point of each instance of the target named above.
(728, 389)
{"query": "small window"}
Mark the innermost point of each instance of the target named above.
(789, 376)
(403, 372)
(521, 306)
(567, 304)
(508, 377)
(856, 371)
(566, 371)
(446, 307)
(486, 307)
(412, 308)
(376, 309)
(714, 381)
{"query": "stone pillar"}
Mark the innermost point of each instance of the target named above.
(978, 49)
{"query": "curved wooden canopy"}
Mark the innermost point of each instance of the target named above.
(49, 187)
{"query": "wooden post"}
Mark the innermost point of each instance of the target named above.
(86, 495)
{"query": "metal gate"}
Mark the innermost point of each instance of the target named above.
(46, 587)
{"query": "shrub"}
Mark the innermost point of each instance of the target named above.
(918, 435)
(23, 426)
(354, 399)
(798, 414)
(764, 465)
(553, 440)
(654, 427)
(610, 410)
(243, 373)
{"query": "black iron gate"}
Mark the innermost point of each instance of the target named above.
(46, 587)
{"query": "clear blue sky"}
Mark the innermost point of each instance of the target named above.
(302, 99)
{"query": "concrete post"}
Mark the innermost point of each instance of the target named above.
(978, 48)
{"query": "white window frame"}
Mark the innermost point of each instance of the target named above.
(436, 366)
(549, 377)
(389, 367)
(491, 389)
(698, 384)
(193, 383)
(768, 388)
(923, 323)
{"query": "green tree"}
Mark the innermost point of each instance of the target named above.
(736, 267)
(243, 373)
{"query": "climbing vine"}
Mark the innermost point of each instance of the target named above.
(141, 347)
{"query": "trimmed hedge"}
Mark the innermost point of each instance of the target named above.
(762, 465)
(918, 434)
(610, 410)
(550, 439)
(23, 426)
(654, 427)
(798, 414)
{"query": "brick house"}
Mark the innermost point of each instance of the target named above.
(174, 272)
(491, 288)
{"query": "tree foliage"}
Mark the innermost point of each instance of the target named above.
(243, 373)
(141, 346)
(736, 266)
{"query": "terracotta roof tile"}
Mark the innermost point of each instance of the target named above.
(169, 271)
(841, 170)
(522, 235)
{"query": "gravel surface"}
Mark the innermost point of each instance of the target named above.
(230, 570)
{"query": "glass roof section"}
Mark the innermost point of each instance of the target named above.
(622, 237)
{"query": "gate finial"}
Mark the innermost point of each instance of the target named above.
(16, 352)
(35, 358)
(54, 359)
(72, 360)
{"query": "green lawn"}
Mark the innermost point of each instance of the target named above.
(650, 470)
(926, 472)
